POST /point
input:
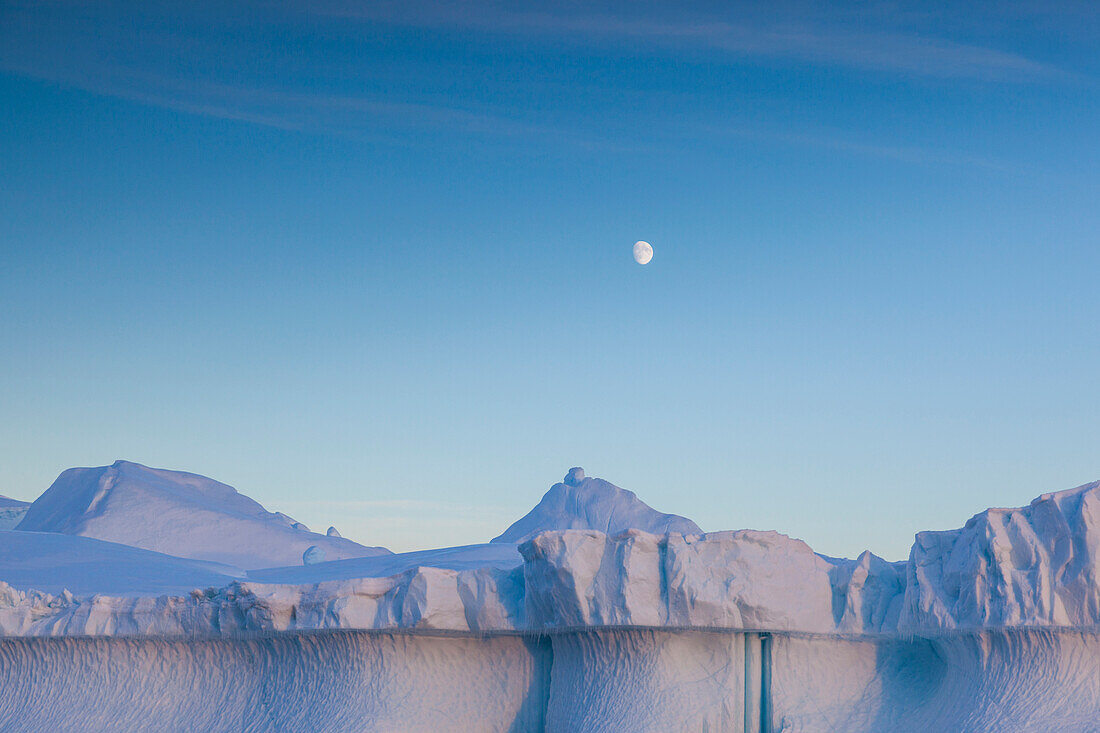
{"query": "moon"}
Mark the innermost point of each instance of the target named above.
(643, 252)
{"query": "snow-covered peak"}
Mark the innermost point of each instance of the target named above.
(80, 494)
(579, 502)
(177, 513)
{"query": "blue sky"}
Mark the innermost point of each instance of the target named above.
(371, 264)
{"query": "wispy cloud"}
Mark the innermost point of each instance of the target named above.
(143, 58)
(901, 153)
(783, 37)
(214, 61)
(356, 117)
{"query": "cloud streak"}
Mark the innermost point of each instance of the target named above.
(362, 116)
(208, 61)
(821, 42)
(900, 153)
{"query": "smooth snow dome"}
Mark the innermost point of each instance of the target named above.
(177, 513)
(592, 503)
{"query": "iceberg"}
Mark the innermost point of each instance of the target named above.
(571, 620)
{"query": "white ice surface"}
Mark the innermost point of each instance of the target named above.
(592, 503)
(179, 514)
(503, 556)
(729, 580)
(1037, 565)
(84, 566)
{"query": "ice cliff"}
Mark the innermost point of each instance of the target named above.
(731, 580)
(1034, 566)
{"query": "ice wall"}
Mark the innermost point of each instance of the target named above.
(761, 581)
(994, 681)
(294, 682)
(639, 680)
(1037, 565)
(649, 680)
(419, 599)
